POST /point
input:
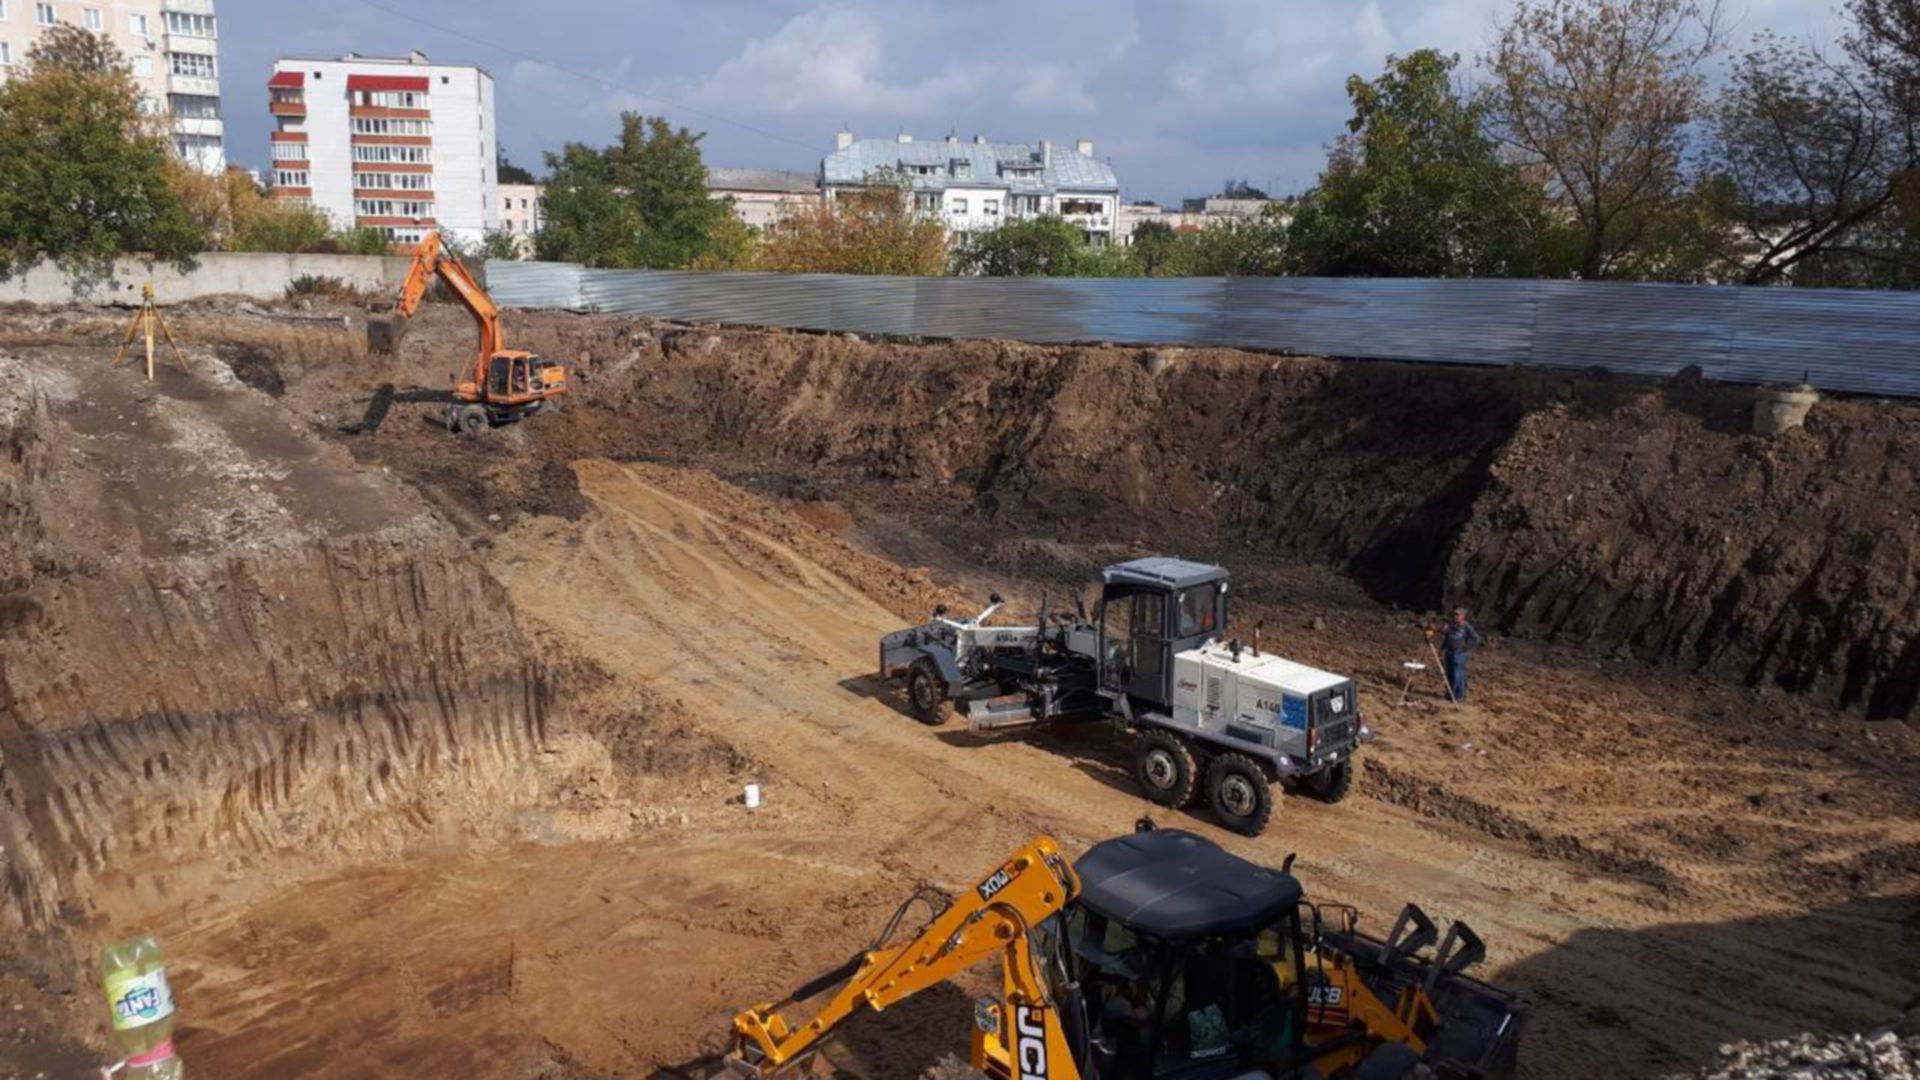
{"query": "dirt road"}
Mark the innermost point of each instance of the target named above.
(602, 951)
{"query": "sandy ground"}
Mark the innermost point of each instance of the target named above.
(615, 955)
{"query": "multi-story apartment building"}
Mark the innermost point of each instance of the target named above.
(763, 198)
(172, 49)
(399, 144)
(978, 185)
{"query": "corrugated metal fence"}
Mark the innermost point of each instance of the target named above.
(1838, 339)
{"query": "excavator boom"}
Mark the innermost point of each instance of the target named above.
(431, 259)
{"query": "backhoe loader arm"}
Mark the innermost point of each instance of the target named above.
(996, 916)
(431, 258)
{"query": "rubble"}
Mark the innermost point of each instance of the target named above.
(1882, 1055)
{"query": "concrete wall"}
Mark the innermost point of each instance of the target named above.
(255, 276)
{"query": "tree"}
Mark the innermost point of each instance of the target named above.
(1416, 188)
(1241, 189)
(588, 220)
(500, 244)
(1033, 247)
(641, 202)
(508, 172)
(1804, 155)
(1152, 246)
(1599, 94)
(1243, 247)
(870, 230)
(85, 174)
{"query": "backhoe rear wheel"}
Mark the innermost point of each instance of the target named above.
(928, 692)
(1241, 795)
(1164, 769)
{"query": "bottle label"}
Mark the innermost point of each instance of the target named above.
(139, 1000)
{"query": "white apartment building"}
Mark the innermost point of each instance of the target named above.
(978, 185)
(172, 49)
(399, 144)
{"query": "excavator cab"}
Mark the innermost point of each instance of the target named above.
(1187, 962)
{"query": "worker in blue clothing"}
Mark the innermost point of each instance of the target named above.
(1456, 641)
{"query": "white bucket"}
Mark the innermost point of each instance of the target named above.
(753, 796)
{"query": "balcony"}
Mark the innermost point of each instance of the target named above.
(287, 108)
(199, 125)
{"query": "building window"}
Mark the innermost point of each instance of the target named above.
(192, 65)
(143, 67)
(405, 155)
(289, 151)
(391, 99)
(3, 10)
(990, 207)
(926, 200)
(393, 208)
(194, 106)
(290, 178)
(394, 181)
(137, 25)
(379, 125)
(43, 14)
(94, 22)
(6, 54)
(959, 206)
(179, 22)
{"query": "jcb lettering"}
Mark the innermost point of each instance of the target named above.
(992, 886)
(1031, 1049)
(1328, 995)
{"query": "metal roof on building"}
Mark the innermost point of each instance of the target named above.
(1014, 166)
(782, 181)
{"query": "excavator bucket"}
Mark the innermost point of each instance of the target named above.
(385, 332)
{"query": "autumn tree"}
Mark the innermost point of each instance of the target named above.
(84, 174)
(1807, 155)
(870, 230)
(1416, 187)
(1599, 95)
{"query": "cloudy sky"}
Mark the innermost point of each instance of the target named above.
(1178, 96)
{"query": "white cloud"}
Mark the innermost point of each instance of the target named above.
(824, 60)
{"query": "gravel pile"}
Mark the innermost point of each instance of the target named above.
(1883, 1055)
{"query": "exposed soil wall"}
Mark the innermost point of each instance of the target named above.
(217, 640)
(1620, 515)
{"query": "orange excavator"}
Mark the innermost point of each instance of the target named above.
(508, 385)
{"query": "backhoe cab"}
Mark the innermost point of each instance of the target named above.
(507, 385)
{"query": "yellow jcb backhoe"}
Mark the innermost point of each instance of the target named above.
(1161, 955)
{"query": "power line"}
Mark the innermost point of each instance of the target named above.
(588, 77)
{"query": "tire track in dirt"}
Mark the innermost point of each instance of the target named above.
(721, 601)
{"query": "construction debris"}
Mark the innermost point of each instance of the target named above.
(1884, 1055)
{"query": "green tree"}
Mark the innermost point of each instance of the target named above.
(1033, 247)
(1416, 188)
(588, 220)
(1241, 247)
(83, 175)
(508, 172)
(499, 244)
(1153, 246)
(641, 202)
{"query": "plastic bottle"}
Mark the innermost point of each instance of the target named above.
(135, 975)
